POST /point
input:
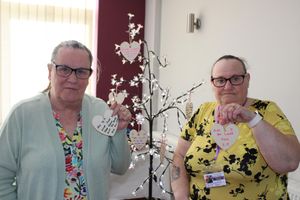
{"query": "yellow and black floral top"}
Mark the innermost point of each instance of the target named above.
(247, 174)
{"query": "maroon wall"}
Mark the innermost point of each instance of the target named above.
(112, 27)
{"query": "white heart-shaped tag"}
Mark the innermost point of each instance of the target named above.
(120, 98)
(113, 97)
(138, 139)
(130, 51)
(107, 124)
(225, 137)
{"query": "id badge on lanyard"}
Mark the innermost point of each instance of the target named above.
(214, 175)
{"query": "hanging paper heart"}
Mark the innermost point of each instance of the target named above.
(107, 124)
(138, 139)
(113, 97)
(162, 151)
(225, 137)
(130, 51)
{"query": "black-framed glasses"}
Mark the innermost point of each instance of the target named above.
(234, 80)
(66, 71)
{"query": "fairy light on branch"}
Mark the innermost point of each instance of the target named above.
(155, 171)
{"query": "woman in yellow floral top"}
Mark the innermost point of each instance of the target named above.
(236, 147)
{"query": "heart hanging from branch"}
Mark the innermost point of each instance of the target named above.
(116, 97)
(138, 139)
(130, 50)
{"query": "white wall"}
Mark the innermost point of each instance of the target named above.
(265, 32)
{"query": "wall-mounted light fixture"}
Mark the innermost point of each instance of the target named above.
(193, 23)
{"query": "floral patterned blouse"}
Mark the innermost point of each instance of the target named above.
(75, 185)
(247, 174)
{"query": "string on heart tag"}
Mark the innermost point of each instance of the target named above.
(224, 136)
(106, 124)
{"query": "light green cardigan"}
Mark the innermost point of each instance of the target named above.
(31, 152)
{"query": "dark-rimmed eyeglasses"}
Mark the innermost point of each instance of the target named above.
(66, 71)
(234, 80)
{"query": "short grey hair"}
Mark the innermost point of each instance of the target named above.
(228, 57)
(71, 44)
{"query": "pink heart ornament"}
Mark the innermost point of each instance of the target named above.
(138, 139)
(225, 137)
(130, 51)
(107, 124)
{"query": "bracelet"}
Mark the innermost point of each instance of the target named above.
(253, 122)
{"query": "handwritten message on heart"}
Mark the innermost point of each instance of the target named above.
(138, 139)
(225, 137)
(107, 124)
(130, 50)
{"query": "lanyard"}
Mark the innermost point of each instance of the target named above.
(217, 152)
(218, 147)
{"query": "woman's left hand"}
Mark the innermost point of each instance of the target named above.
(123, 113)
